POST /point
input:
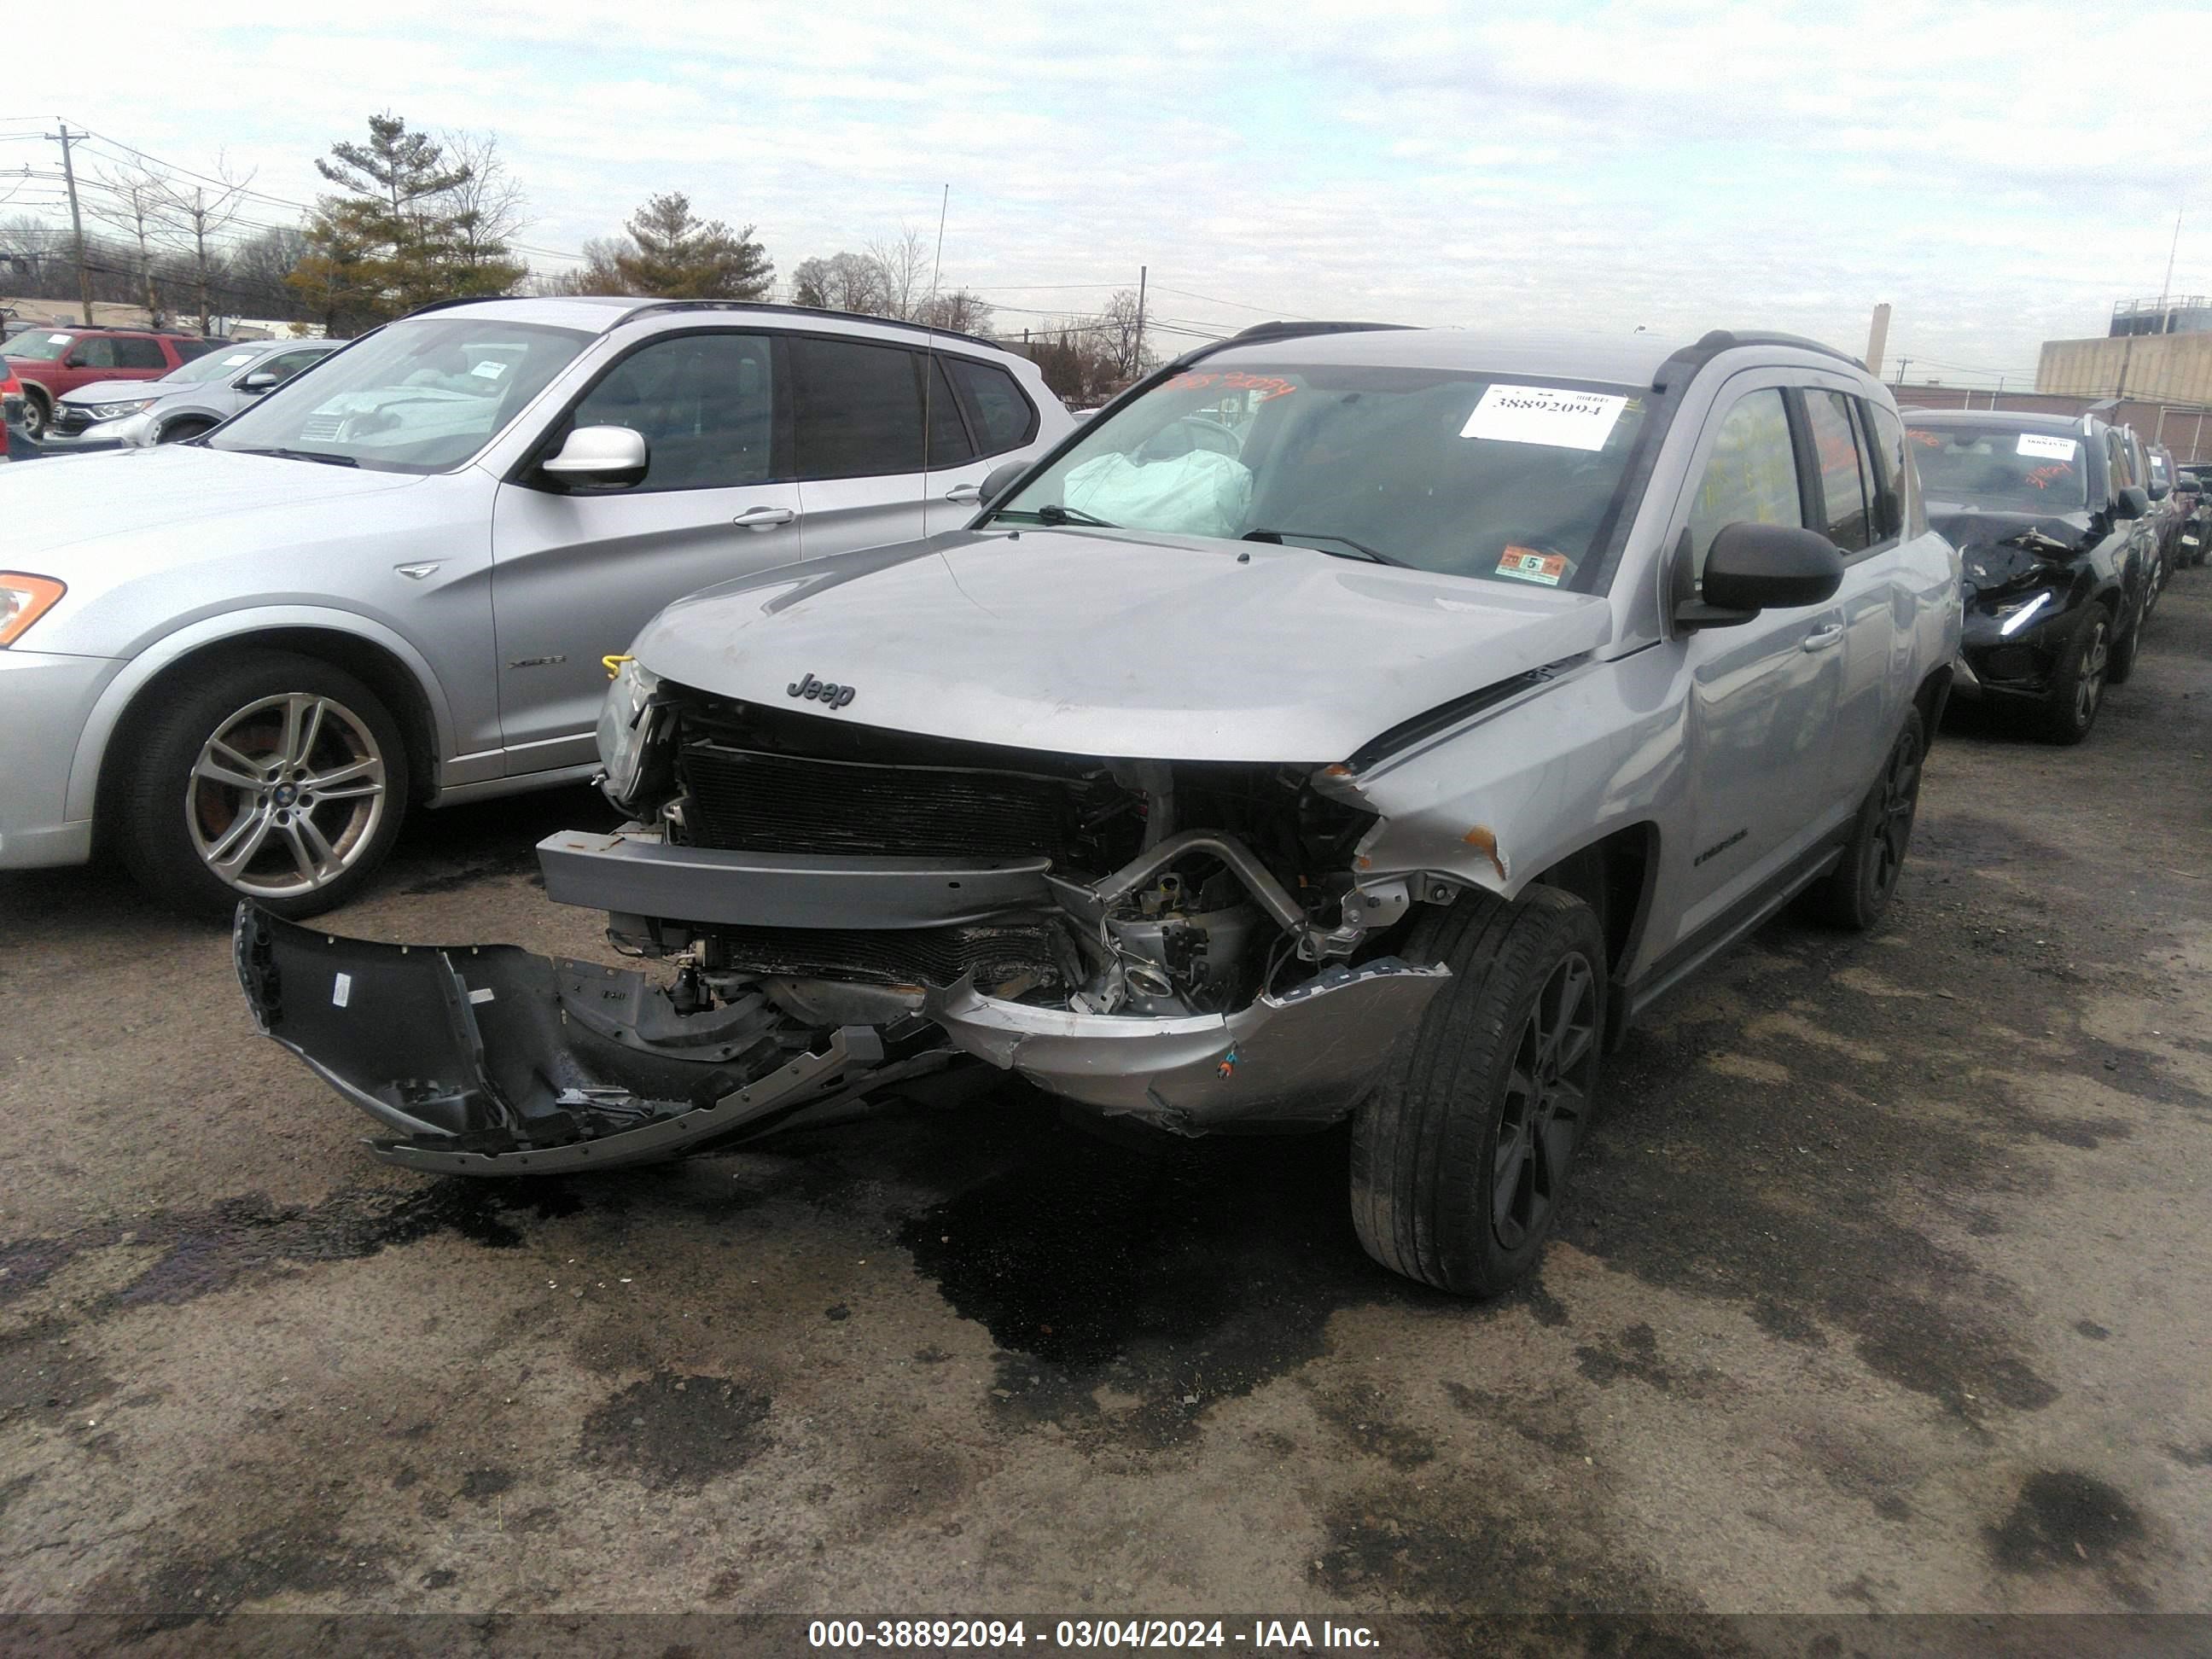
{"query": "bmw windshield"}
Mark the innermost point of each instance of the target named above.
(1518, 480)
(420, 396)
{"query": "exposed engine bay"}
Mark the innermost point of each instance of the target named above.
(1186, 942)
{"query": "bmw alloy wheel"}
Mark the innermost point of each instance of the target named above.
(285, 795)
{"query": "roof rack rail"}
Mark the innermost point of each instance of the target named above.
(1263, 333)
(450, 301)
(649, 307)
(1691, 358)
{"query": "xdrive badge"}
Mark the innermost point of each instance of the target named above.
(821, 691)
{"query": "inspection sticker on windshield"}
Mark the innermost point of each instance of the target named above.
(1528, 565)
(1545, 414)
(236, 358)
(2038, 443)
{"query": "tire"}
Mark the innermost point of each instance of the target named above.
(1432, 1196)
(2085, 668)
(37, 412)
(211, 777)
(177, 431)
(1853, 894)
(2120, 660)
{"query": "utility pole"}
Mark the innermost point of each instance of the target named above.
(1137, 366)
(76, 221)
(1877, 337)
(1901, 362)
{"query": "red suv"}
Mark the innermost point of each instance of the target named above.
(50, 362)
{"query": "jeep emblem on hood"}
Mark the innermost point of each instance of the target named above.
(821, 691)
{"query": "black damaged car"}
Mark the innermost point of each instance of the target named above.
(2057, 552)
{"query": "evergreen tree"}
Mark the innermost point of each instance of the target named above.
(677, 256)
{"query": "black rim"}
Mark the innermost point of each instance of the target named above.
(1893, 830)
(1546, 1101)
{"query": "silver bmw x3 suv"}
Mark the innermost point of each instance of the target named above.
(1347, 722)
(240, 660)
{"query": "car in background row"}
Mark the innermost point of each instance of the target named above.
(2058, 552)
(2197, 505)
(392, 582)
(52, 362)
(204, 393)
(16, 443)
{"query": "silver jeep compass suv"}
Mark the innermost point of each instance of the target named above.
(1347, 721)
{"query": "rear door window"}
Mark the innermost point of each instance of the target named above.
(1009, 419)
(134, 352)
(857, 409)
(948, 430)
(1751, 477)
(1843, 481)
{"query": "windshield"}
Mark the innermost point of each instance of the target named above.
(416, 397)
(37, 346)
(2010, 471)
(1464, 474)
(214, 366)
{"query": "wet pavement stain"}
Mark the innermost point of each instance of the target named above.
(679, 1430)
(2066, 1520)
(1171, 1272)
(300, 1556)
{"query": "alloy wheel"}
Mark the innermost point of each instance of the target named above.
(2089, 684)
(285, 795)
(1900, 798)
(1547, 1096)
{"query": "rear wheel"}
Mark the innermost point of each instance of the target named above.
(2077, 689)
(275, 777)
(1461, 1158)
(1858, 890)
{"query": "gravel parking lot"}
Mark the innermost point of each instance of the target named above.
(1881, 1289)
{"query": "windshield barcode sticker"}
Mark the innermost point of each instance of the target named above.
(2050, 448)
(490, 371)
(340, 990)
(1545, 414)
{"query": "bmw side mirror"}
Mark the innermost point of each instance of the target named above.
(1001, 479)
(2134, 501)
(258, 381)
(1762, 567)
(603, 455)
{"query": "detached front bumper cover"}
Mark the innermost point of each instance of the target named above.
(488, 1059)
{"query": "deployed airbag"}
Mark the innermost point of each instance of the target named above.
(1200, 494)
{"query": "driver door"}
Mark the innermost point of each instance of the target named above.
(1764, 694)
(578, 573)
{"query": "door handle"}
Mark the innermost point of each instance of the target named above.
(1821, 638)
(764, 518)
(964, 493)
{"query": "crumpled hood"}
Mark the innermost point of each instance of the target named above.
(1117, 644)
(127, 496)
(1999, 551)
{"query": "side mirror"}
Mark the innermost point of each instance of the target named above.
(1001, 479)
(2134, 501)
(2158, 492)
(611, 455)
(1762, 567)
(260, 381)
(75, 360)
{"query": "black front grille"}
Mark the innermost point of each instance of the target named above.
(919, 956)
(744, 800)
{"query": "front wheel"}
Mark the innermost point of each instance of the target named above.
(1461, 1158)
(178, 431)
(2077, 689)
(1858, 890)
(36, 414)
(275, 777)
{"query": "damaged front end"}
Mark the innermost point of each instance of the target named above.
(1193, 945)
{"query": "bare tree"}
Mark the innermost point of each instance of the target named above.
(1119, 328)
(904, 261)
(486, 208)
(600, 273)
(131, 199)
(843, 282)
(191, 216)
(962, 310)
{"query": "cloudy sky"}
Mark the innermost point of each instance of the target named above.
(2000, 173)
